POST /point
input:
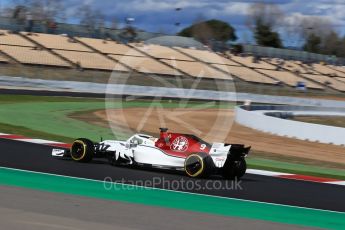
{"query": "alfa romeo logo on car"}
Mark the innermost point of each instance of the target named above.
(180, 144)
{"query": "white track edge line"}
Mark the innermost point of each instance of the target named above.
(39, 141)
(267, 173)
(336, 182)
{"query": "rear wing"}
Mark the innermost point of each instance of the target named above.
(237, 150)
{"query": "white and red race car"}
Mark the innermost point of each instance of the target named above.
(174, 151)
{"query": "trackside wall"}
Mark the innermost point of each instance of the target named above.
(288, 128)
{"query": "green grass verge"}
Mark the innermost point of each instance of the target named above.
(52, 117)
(11, 99)
(49, 116)
(280, 166)
(13, 129)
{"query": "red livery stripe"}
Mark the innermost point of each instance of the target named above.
(10, 136)
(61, 145)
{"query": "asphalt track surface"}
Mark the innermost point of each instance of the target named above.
(28, 156)
(61, 211)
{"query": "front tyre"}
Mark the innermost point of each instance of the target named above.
(82, 150)
(198, 165)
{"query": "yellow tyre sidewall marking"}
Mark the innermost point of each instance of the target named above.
(198, 172)
(84, 152)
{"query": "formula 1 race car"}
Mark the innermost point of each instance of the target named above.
(173, 151)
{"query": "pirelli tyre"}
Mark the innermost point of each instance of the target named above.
(82, 150)
(234, 169)
(198, 165)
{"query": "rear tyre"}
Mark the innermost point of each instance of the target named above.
(234, 169)
(241, 168)
(82, 150)
(198, 165)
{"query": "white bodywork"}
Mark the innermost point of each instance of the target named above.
(141, 149)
